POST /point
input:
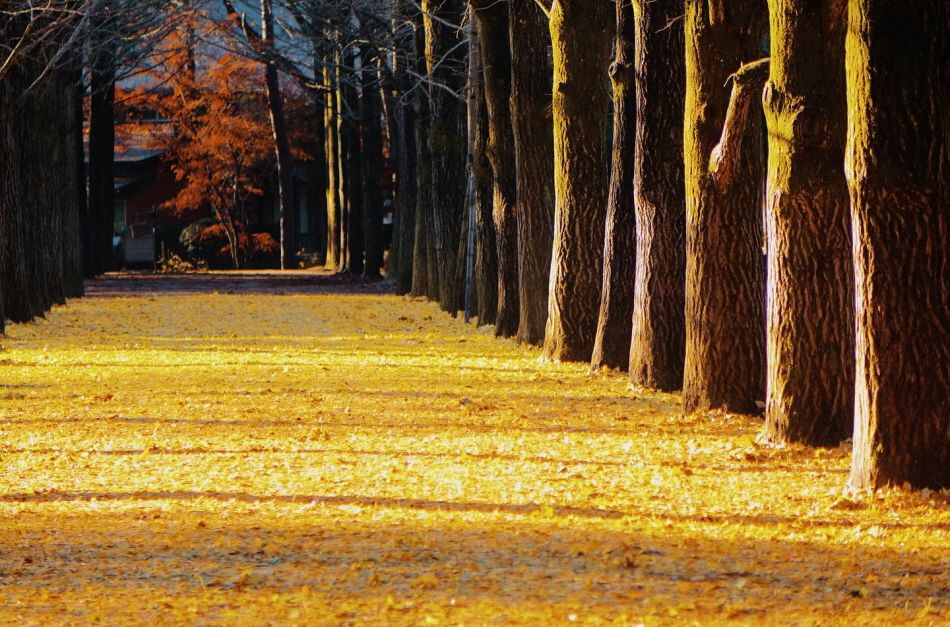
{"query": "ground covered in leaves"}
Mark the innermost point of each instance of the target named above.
(257, 449)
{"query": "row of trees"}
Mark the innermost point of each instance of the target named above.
(747, 201)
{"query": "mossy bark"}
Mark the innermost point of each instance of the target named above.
(534, 164)
(658, 334)
(491, 20)
(897, 160)
(581, 34)
(722, 145)
(810, 347)
(612, 340)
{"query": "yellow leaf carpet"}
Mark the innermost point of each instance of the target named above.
(293, 449)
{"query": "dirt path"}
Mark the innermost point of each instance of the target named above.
(297, 449)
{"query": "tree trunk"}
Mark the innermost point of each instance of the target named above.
(101, 214)
(486, 275)
(320, 184)
(424, 280)
(534, 164)
(334, 198)
(353, 179)
(445, 56)
(657, 342)
(371, 112)
(612, 340)
(725, 288)
(810, 346)
(897, 161)
(404, 152)
(491, 20)
(285, 163)
(581, 36)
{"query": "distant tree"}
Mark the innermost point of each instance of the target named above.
(221, 145)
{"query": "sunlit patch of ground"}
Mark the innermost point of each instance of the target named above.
(245, 448)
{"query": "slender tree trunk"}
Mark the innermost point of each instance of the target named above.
(76, 219)
(486, 259)
(612, 341)
(725, 286)
(810, 346)
(657, 342)
(897, 161)
(534, 164)
(445, 60)
(491, 19)
(285, 165)
(372, 167)
(320, 185)
(581, 35)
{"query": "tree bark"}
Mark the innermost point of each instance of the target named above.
(534, 164)
(335, 255)
(425, 280)
(445, 56)
(285, 165)
(486, 275)
(491, 20)
(810, 347)
(897, 160)
(404, 151)
(372, 167)
(658, 335)
(581, 37)
(612, 341)
(101, 214)
(725, 288)
(353, 167)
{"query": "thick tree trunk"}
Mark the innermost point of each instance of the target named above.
(491, 20)
(581, 36)
(445, 56)
(725, 287)
(486, 259)
(371, 112)
(658, 337)
(612, 341)
(534, 160)
(897, 161)
(285, 162)
(810, 345)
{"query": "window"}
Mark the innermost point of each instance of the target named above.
(119, 223)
